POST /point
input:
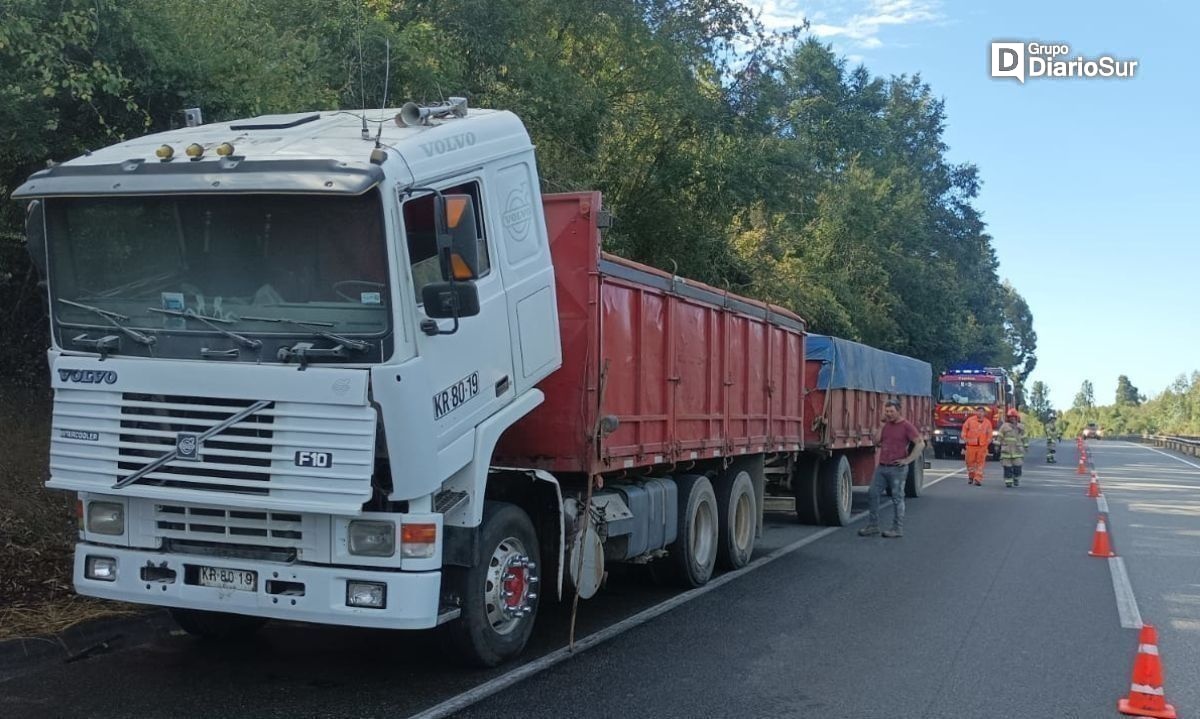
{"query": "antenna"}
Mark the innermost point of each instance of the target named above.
(362, 84)
(387, 72)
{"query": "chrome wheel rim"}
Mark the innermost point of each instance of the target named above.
(508, 590)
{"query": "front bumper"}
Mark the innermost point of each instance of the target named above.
(412, 597)
(947, 439)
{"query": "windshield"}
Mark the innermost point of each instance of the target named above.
(965, 392)
(157, 263)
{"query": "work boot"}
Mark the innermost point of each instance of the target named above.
(893, 533)
(868, 531)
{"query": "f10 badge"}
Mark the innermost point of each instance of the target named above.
(320, 460)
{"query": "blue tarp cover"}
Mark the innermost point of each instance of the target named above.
(850, 365)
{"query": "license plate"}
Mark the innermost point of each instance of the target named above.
(227, 578)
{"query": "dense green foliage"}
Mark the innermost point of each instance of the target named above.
(755, 161)
(1175, 411)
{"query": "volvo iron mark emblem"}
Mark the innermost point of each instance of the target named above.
(187, 446)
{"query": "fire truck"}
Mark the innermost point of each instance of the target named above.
(960, 391)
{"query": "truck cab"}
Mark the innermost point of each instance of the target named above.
(960, 391)
(282, 351)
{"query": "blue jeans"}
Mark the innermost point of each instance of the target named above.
(885, 477)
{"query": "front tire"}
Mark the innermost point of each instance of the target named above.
(498, 597)
(217, 626)
(694, 551)
(835, 490)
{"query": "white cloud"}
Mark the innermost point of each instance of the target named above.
(858, 23)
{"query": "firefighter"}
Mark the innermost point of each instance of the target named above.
(976, 435)
(1013, 444)
(1051, 440)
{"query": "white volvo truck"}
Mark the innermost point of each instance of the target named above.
(284, 350)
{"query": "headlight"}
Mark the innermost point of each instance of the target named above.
(366, 594)
(106, 518)
(372, 538)
(939, 431)
(103, 569)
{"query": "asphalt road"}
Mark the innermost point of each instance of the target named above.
(988, 607)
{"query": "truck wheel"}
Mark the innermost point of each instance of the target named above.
(737, 515)
(498, 597)
(914, 484)
(804, 487)
(216, 625)
(835, 490)
(694, 551)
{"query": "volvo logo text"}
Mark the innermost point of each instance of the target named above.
(88, 376)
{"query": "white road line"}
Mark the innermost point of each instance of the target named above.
(1168, 454)
(1127, 607)
(944, 476)
(504, 681)
(488, 688)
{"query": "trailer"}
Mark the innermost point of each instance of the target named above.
(301, 374)
(846, 386)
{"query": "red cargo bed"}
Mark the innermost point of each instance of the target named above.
(688, 371)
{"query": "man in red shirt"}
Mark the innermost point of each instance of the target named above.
(900, 444)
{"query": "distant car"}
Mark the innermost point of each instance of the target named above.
(1091, 431)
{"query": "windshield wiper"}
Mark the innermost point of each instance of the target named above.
(315, 328)
(113, 318)
(211, 322)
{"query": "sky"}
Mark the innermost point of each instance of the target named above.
(1090, 187)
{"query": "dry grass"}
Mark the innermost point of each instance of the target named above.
(58, 614)
(37, 527)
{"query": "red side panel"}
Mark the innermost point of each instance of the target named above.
(634, 347)
(688, 371)
(555, 435)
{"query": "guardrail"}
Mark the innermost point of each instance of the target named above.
(1183, 445)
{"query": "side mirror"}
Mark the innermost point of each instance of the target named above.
(458, 237)
(35, 236)
(450, 299)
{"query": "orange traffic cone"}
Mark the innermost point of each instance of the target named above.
(1146, 697)
(1100, 546)
(1093, 487)
(1081, 469)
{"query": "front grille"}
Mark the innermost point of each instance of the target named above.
(228, 526)
(100, 438)
(238, 459)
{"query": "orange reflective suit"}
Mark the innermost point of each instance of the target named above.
(977, 434)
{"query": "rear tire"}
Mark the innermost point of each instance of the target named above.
(493, 628)
(804, 488)
(835, 491)
(217, 625)
(914, 484)
(694, 551)
(737, 515)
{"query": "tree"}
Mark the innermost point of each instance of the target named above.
(1127, 394)
(1019, 338)
(1085, 399)
(1039, 401)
